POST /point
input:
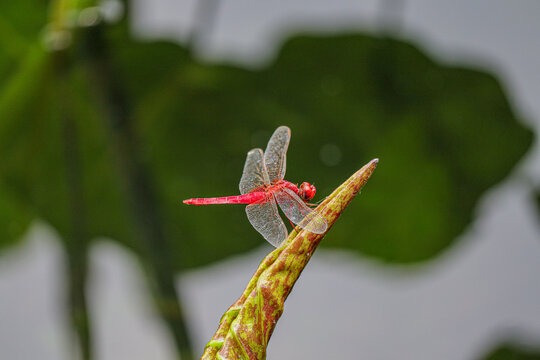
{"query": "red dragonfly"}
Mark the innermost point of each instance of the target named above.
(262, 185)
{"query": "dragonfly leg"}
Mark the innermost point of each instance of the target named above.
(314, 205)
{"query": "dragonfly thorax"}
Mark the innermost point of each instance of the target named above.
(306, 191)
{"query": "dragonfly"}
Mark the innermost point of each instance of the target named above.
(262, 186)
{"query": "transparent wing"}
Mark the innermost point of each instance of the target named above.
(254, 174)
(265, 219)
(299, 213)
(275, 153)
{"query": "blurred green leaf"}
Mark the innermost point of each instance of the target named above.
(445, 135)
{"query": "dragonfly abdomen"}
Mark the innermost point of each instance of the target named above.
(237, 199)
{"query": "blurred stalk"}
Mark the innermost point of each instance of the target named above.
(57, 40)
(77, 243)
(204, 21)
(137, 182)
(391, 13)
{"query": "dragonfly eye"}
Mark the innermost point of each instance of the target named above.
(306, 191)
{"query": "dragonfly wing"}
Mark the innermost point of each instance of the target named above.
(276, 153)
(299, 213)
(254, 174)
(265, 219)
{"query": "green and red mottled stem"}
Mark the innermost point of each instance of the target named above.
(246, 327)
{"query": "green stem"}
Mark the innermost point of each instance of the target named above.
(77, 243)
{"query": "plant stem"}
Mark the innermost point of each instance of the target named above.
(138, 185)
(204, 20)
(390, 17)
(77, 243)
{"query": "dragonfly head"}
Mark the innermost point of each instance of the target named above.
(306, 191)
